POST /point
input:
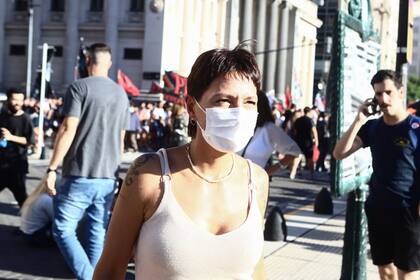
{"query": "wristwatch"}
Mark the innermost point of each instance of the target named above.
(51, 170)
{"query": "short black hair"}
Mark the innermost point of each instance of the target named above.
(11, 91)
(96, 48)
(387, 74)
(306, 110)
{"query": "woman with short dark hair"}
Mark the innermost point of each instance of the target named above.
(196, 211)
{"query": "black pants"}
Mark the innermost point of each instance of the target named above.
(14, 179)
(324, 146)
(131, 140)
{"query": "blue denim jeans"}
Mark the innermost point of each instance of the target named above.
(77, 198)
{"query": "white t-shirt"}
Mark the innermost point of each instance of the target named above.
(267, 139)
(38, 215)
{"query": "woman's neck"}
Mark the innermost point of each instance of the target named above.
(208, 160)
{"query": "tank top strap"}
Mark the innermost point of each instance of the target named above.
(251, 185)
(164, 165)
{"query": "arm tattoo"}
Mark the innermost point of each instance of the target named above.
(134, 169)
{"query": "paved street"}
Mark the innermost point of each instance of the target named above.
(313, 249)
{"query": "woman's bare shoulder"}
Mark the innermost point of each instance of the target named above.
(142, 181)
(145, 167)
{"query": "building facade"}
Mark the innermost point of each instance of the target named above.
(61, 23)
(385, 24)
(149, 37)
(414, 67)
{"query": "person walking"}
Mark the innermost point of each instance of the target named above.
(16, 134)
(322, 127)
(196, 211)
(179, 126)
(90, 143)
(392, 207)
(133, 131)
(306, 137)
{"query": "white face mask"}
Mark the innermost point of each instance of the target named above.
(228, 129)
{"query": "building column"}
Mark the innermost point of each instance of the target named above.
(232, 24)
(111, 33)
(221, 22)
(310, 81)
(246, 20)
(2, 40)
(271, 55)
(282, 45)
(71, 47)
(261, 29)
(186, 41)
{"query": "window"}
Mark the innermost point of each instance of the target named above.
(58, 51)
(21, 5)
(134, 54)
(17, 50)
(57, 5)
(136, 5)
(96, 5)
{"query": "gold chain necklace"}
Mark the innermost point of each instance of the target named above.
(211, 181)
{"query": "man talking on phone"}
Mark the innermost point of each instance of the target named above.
(392, 207)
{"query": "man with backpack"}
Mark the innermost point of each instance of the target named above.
(392, 207)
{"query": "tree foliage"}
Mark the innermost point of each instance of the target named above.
(413, 88)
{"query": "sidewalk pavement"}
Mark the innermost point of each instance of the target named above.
(313, 249)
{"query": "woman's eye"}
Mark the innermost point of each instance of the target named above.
(222, 101)
(251, 102)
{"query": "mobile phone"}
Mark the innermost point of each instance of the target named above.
(373, 107)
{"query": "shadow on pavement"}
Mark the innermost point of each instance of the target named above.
(20, 258)
(320, 247)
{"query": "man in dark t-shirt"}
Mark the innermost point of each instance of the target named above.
(306, 136)
(16, 133)
(392, 207)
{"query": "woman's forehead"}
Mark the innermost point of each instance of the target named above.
(233, 85)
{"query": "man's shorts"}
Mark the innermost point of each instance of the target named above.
(307, 148)
(394, 237)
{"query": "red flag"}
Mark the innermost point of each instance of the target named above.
(288, 97)
(155, 88)
(180, 83)
(127, 84)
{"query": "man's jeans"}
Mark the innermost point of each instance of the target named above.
(77, 198)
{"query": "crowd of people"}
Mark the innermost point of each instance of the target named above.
(194, 203)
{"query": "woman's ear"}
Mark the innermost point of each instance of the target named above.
(190, 106)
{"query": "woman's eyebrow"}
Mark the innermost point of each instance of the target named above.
(219, 94)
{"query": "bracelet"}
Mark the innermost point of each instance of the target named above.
(52, 170)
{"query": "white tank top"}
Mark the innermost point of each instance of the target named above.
(172, 246)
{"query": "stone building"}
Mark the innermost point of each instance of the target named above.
(149, 37)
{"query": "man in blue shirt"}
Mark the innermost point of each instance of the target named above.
(392, 207)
